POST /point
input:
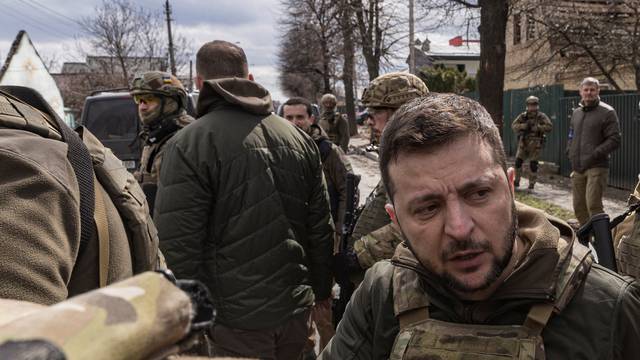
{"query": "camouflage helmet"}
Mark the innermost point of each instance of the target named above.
(393, 89)
(330, 101)
(532, 100)
(159, 83)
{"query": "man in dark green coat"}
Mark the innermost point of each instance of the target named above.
(243, 207)
(479, 276)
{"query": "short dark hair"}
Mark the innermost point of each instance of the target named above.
(299, 101)
(221, 59)
(432, 121)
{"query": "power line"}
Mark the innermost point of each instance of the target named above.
(47, 15)
(56, 13)
(33, 22)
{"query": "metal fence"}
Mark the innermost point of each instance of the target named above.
(625, 162)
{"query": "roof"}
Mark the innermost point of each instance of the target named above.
(439, 46)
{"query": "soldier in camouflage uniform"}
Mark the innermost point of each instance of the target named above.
(531, 127)
(162, 102)
(374, 236)
(333, 123)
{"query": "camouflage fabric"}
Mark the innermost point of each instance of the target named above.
(151, 159)
(532, 100)
(336, 126)
(159, 83)
(421, 337)
(627, 240)
(373, 215)
(531, 129)
(377, 245)
(393, 89)
(328, 101)
(139, 318)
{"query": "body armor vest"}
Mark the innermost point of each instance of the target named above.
(421, 337)
(373, 215)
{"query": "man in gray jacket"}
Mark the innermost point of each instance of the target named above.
(242, 206)
(593, 135)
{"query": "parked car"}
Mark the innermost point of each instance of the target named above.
(112, 116)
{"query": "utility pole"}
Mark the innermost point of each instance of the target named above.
(172, 60)
(412, 47)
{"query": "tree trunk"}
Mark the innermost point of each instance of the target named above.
(493, 25)
(366, 30)
(348, 67)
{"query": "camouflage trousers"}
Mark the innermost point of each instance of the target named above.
(587, 190)
(528, 149)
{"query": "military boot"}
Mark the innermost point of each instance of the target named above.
(532, 180)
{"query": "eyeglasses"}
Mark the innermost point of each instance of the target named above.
(375, 111)
(145, 98)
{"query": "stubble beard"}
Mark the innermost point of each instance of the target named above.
(497, 267)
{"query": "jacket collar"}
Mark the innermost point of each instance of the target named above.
(238, 92)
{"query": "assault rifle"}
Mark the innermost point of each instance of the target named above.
(345, 261)
(600, 227)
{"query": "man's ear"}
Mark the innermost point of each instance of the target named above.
(511, 176)
(199, 82)
(391, 211)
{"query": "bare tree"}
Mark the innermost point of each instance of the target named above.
(348, 69)
(380, 27)
(573, 39)
(130, 38)
(492, 27)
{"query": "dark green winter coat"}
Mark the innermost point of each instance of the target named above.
(599, 322)
(243, 207)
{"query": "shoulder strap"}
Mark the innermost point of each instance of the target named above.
(411, 305)
(102, 226)
(77, 153)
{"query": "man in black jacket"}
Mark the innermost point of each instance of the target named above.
(242, 206)
(594, 134)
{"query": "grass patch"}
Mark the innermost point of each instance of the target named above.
(543, 205)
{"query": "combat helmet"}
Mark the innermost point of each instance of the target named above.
(393, 89)
(532, 100)
(328, 99)
(159, 83)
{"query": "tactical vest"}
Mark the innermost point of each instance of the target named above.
(628, 247)
(421, 337)
(373, 215)
(110, 173)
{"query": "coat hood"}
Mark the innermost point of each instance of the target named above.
(247, 94)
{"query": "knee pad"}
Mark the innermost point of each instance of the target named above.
(534, 166)
(519, 163)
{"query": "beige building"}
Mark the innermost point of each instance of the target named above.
(534, 58)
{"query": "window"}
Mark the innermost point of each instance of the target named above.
(531, 28)
(461, 67)
(517, 32)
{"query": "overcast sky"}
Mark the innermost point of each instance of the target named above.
(253, 24)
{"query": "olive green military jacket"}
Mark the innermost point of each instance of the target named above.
(243, 207)
(532, 128)
(337, 128)
(594, 135)
(601, 321)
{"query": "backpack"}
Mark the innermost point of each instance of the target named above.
(92, 164)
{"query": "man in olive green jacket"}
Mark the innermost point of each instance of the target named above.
(242, 206)
(479, 276)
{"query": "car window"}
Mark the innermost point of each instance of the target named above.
(114, 118)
